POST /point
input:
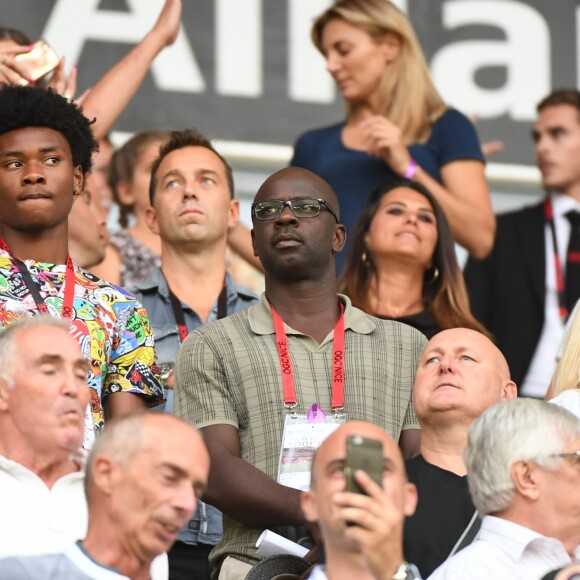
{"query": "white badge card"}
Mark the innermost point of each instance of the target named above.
(301, 438)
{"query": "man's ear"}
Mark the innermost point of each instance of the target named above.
(104, 472)
(410, 500)
(309, 507)
(151, 220)
(339, 238)
(254, 242)
(234, 215)
(4, 395)
(78, 181)
(524, 475)
(509, 390)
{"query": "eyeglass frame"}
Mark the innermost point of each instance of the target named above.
(288, 203)
(566, 454)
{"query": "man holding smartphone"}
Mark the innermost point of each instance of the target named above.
(363, 532)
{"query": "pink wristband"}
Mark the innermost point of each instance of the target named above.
(411, 169)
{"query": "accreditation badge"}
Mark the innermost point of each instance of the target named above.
(302, 436)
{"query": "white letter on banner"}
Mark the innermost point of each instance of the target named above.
(525, 55)
(239, 47)
(308, 79)
(73, 22)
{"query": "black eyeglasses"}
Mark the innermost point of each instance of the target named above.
(301, 207)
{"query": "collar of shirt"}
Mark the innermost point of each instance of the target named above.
(18, 471)
(562, 204)
(261, 322)
(54, 268)
(514, 538)
(156, 282)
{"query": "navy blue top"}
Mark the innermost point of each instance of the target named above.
(355, 174)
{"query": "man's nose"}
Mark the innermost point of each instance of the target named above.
(71, 384)
(185, 500)
(446, 365)
(33, 175)
(287, 215)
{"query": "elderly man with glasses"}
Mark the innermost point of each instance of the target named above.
(267, 384)
(523, 460)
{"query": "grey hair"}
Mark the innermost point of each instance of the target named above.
(121, 439)
(509, 431)
(9, 335)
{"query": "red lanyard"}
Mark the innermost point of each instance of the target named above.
(33, 285)
(560, 283)
(286, 364)
(222, 310)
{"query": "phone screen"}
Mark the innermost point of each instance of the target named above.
(366, 455)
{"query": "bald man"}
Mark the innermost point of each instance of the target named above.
(372, 547)
(241, 378)
(143, 478)
(460, 375)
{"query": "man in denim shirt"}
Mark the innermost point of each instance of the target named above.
(193, 209)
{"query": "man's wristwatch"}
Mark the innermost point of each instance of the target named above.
(407, 571)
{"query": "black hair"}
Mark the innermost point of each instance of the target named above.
(30, 106)
(179, 140)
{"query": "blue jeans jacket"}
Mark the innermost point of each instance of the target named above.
(205, 527)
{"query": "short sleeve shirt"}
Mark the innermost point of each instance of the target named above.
(110, 325)
(228, 372)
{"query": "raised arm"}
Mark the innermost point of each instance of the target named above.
(109, 97)
(240, 241)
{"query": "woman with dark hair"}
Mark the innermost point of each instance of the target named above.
(401, 263)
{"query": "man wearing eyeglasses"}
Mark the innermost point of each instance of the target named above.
(301, 361)
(523, 460)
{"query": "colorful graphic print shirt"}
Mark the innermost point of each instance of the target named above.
(110, 325)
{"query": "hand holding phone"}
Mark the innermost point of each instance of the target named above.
(37, 62)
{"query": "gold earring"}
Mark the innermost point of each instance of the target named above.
(435, 275)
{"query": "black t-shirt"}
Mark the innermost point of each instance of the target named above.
(443, 512)
(422, 321)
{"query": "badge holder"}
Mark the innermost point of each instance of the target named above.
(302, 436)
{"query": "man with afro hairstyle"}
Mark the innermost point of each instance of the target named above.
(45, 154)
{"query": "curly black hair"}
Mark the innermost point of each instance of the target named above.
(30, 106)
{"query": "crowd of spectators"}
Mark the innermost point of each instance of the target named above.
(372, 406)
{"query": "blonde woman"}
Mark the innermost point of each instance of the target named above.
(397, 123)
(565, 388)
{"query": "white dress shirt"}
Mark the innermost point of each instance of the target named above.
(569, 400)
(504, 550)
(543, 363)
(36, 520)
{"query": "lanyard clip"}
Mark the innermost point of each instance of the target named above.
(292, 408)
